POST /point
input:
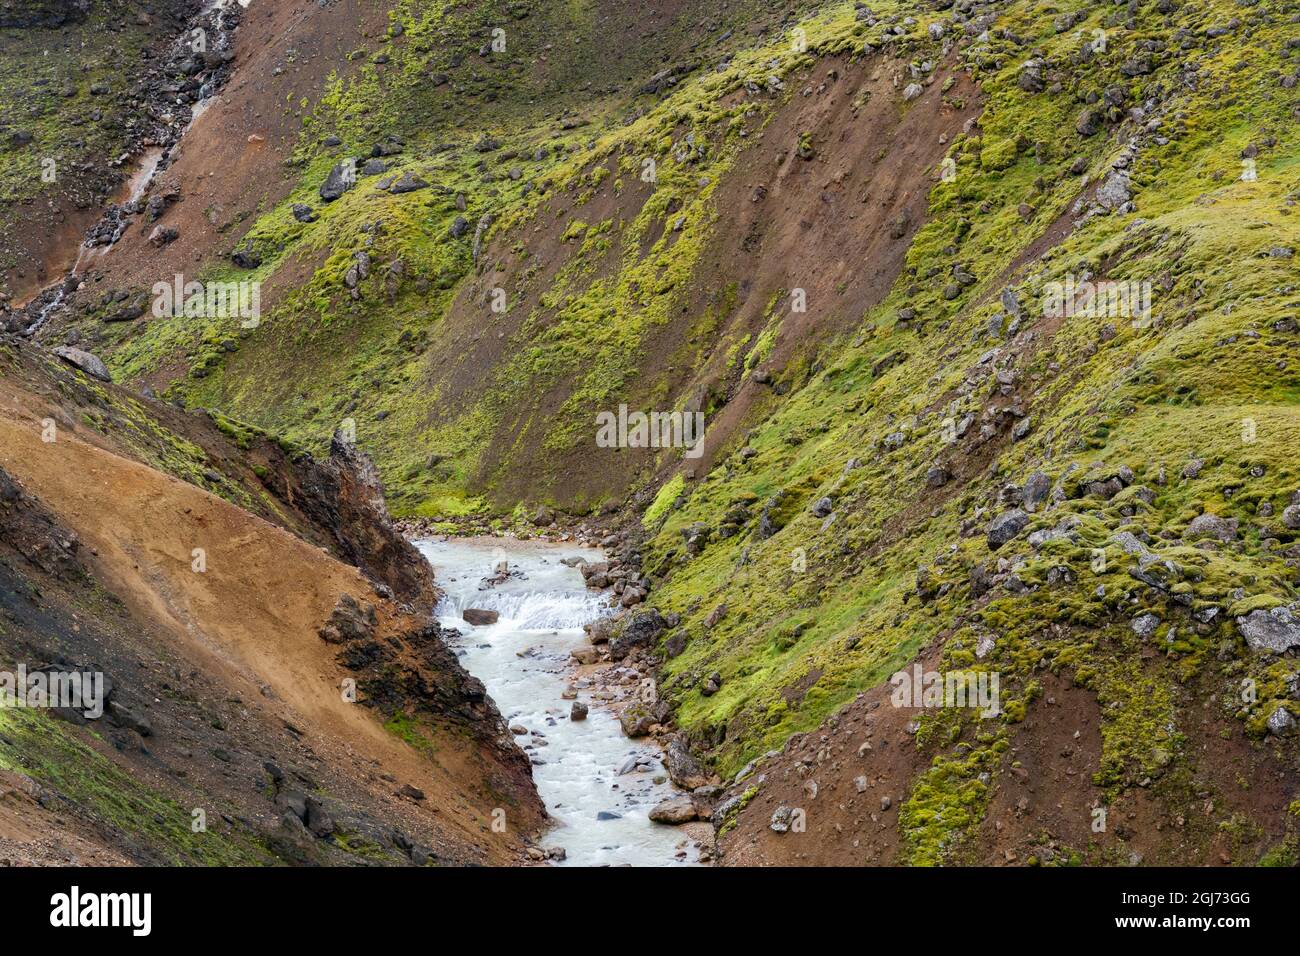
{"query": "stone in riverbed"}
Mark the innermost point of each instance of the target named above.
(578, 711)
(636, 722)
(675, 810)
(600, 631)
(585, 655)
(479, 617)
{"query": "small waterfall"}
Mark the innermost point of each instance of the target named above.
(531, 610)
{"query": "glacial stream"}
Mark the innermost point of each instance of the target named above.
(523, 659)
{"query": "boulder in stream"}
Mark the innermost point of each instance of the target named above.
(479, 617)
(674, 810)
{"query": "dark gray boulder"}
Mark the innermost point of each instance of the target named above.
(1006, 526)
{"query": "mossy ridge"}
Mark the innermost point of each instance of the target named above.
(410, 234)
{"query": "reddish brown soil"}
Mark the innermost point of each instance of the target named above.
(28, 837)
(1043, 792)
(875, 162)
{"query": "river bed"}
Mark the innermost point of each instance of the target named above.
(523, 659)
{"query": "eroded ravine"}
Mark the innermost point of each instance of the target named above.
(210, 31)
(598, 785)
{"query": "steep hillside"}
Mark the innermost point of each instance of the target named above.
(1073, 497)
(312, 712)
(989, 309)
(86, 85)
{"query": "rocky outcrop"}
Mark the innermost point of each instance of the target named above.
(29, 528)
(1276, 630)
(344, 496)
(640, 630)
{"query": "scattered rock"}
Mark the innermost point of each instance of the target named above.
(1280, 722)
(675, 810)
(1291, 517)
(636, 722)
(162, 236)
(641, 630)
(1145, 625)
(1211, 526)
(245, 256)
(683, 769)
(340, 179)
(1006, 526)
(1275, 630)
(349, 621)
(781, 818)
(88, 363)
(585, 655)
(1114, 191)
(408, 183)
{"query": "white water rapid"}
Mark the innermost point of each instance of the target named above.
(523, 659)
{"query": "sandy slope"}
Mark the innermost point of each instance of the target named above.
(250, 619)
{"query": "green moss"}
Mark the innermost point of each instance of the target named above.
(34, 744)
(664, 499)
(946, 805)
(410, 730)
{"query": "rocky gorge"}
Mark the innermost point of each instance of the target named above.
(987, 314)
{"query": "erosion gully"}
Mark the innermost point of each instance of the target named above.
(597, 784)
(147, 163)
